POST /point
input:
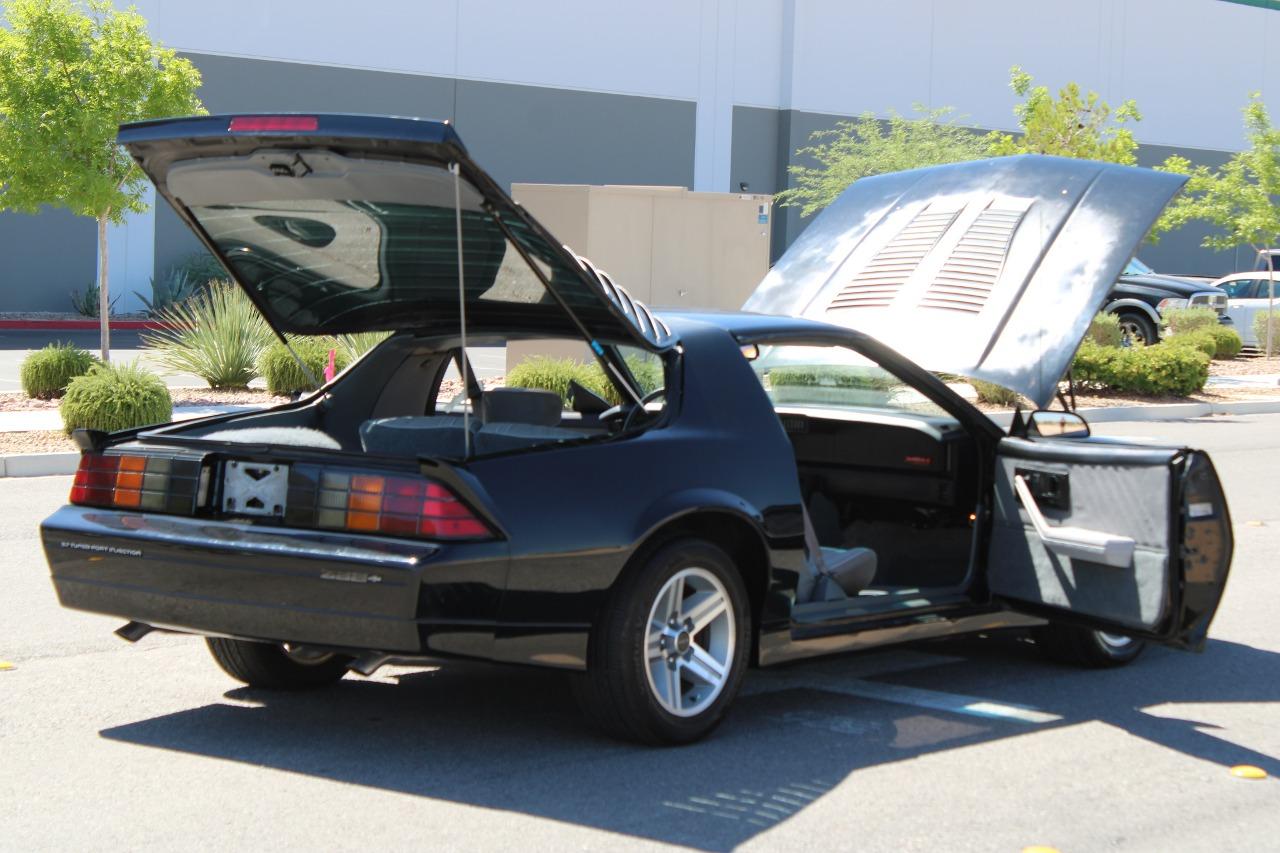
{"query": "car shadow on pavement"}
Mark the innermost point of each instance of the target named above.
(514, 740)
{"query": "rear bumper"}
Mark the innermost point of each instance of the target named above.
(276, 584)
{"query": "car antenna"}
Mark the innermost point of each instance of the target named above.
(464, 362)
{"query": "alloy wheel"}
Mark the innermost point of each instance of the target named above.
(690, 642)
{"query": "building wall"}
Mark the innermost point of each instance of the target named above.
(708, 94)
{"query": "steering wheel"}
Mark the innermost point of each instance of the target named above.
(634, 411)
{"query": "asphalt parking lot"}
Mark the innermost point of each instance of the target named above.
(966, 745)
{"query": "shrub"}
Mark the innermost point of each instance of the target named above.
(113, 397)
(1201, 340)
(351, 347)
(1104, 330)
(218, 335)
(1156, 370)
(45, 373)
(555, 374)
(997, 395)
(87, 302)
(1260, 328)
(174, 287)
(1181, 321)
(1227, 340)
(647, 371)
(284, 375)
(831, 376)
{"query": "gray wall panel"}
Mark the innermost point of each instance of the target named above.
(530, 134)
(45, 257)
(759, 134)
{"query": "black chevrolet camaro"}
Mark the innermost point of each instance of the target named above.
(789, 481)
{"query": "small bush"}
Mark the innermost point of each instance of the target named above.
(1104, 330)
(1158, 370)
(1227, 340)
(1201, 340)
(281, 370)
(831, 376)
(45, 373)
(1182, 321)
(555, 374)
(648, 373)
(113, 397)
(351, 347)
(1260, 329)
(996, 395)
(217, 335)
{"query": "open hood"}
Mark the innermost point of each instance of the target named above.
(335, 223)
(990, 269)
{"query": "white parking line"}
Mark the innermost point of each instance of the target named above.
(851, 679)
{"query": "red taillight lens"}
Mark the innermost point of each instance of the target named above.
(157, 483)
(260, 124)
(368, 502)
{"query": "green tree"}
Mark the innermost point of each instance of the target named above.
(870, 146)
(1074, 124)
(1237, 198)
(70, 74)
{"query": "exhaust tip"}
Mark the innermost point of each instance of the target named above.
(133, 631)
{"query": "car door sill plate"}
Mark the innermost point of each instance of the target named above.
(255, 488)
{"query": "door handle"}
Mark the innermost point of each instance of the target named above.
(1050, 489)
(1078, 543)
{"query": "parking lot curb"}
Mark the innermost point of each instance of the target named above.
(38, 464)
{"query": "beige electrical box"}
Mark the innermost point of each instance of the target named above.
(668, 246)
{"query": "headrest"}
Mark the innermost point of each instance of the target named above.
(520, 406)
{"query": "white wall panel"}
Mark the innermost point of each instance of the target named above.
(395, 35)
(851, 57)
(649, 48)
(976, 43)
(758, 56)
(1191, 65)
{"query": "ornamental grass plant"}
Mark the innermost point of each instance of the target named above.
(218, 334)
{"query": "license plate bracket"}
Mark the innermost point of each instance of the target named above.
(255, 488)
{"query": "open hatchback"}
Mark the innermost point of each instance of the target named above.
(708, 491)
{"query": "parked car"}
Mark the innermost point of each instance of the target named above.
(1247, 296)
(795, 487)
(1140, 295)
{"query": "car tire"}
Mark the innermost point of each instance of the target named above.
(1087, 647)
(276, 666)
(669, 648)
(1137, 328)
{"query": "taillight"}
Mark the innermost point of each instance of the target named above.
(260, 124)
(368, 502)
(157, 483)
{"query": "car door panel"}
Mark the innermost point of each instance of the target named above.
(1117, 552)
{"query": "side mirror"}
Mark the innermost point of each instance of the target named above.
(1057, 425)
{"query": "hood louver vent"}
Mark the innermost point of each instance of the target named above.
(965, 281)
(876, 284)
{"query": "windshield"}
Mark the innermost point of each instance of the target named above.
(833, 377)
(1137, 267)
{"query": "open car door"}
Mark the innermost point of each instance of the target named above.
(1130, 540)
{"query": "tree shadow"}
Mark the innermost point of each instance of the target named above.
(514, 740)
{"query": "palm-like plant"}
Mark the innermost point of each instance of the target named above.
(218, 335)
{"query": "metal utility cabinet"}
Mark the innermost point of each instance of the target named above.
(668, 246)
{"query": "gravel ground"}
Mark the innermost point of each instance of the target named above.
(38, 441)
